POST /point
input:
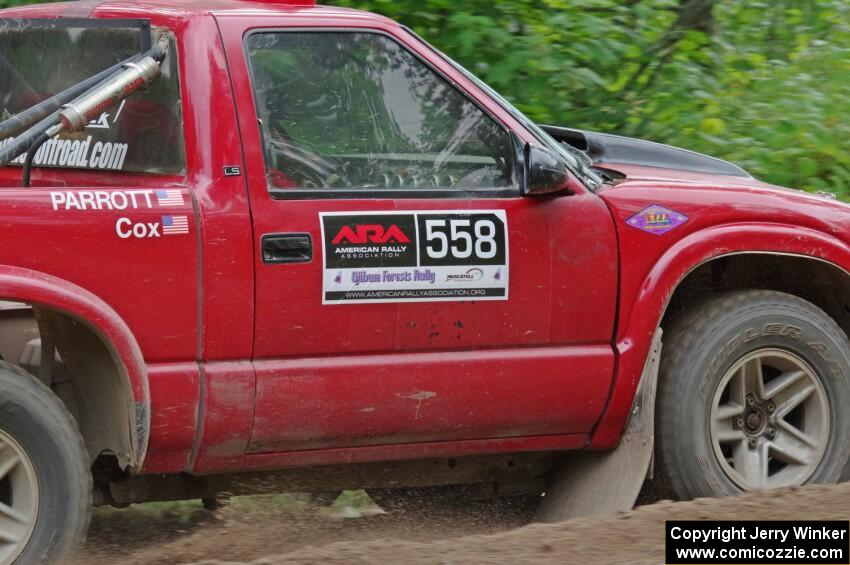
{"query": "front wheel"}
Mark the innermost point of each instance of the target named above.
(753, 394)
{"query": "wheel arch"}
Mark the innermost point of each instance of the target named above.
(111, 347)
(823, 283)
(642, 314)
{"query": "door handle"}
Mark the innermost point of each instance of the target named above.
(287, 248)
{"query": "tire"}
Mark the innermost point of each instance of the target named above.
(718, 432)
(37, 428)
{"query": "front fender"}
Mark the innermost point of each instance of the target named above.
(33, 287)
(641, 314)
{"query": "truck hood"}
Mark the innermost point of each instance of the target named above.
(635, 163)
(603, 148)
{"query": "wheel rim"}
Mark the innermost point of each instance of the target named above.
(769, 421)
(18, 498)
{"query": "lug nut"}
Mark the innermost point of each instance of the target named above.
(771, 433)
(739, 423)
(751, 400)
(752, 443)
(771, 407)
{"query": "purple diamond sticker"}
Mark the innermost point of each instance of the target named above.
(657, 219)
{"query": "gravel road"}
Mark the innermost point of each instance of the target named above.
(298, 532)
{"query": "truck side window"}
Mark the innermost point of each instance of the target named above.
(356, 110)
(143, 134)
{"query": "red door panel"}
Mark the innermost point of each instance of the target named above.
(563, 284)
(292, 321)
(343, 375)
(413, 397)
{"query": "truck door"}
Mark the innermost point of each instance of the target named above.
(405, 290)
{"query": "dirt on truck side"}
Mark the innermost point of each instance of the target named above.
(239, 535)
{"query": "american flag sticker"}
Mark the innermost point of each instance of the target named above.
(168, 198)
(175, 225)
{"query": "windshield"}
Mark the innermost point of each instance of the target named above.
(142, 134)
(578, 161)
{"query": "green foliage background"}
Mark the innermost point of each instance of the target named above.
(763, 83)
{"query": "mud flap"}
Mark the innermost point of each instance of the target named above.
(605, 482)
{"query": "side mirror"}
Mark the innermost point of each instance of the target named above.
(546, 171)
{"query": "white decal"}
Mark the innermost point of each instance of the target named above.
(168, 225)
(101, 123)
(101, 199)
(120, 109)
(77, 154)
(414, 256)
(116, 199)
(126, 228)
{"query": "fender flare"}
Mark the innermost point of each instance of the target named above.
(40, 289)
(639, 322)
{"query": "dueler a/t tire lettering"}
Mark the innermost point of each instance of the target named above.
(711, 344)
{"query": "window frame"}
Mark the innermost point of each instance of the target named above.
(516, 145)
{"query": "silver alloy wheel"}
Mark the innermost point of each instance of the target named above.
(769, 420)
(18, 498)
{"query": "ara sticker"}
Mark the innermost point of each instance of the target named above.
(657, 220)
(415, 256)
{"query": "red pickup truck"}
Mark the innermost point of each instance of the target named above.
(314, 253)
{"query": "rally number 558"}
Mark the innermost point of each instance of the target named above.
(460, 239)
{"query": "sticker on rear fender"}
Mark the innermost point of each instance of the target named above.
(414, 256)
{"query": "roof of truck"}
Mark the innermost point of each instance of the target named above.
(181, 9)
